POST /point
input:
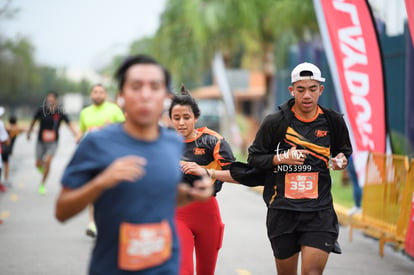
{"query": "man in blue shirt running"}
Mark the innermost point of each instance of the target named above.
(131, 173)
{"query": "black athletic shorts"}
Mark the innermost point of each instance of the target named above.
(289, 230)
(5, 157)
(5, 152)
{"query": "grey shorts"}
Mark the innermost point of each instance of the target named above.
(45, 149)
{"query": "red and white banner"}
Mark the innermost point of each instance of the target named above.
(354, 57)
(409, 6)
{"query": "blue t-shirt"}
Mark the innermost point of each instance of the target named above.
(151, 199)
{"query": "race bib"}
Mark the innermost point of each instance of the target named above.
(142, 246)
(301, 185)
(48, 135)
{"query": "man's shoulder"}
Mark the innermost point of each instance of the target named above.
(331, 112)
(40, 111)
(282, 112)
(109, 133)
(276, 116)
(61, 111)
(171, 135)
(111, 104)
(111, 107)
(87, 109)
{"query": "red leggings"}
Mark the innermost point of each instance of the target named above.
(199, 227)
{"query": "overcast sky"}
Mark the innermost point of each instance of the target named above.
(82, 34)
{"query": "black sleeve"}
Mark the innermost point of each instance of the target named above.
(225, 155)
(38, 115)
(65, 118)
(262, 150)
(342, 142)
(246, 175)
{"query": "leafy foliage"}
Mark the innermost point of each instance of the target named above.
(22, 80)
(247, 33)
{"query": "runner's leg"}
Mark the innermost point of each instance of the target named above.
(50, 149)
(287, 266)
(6, 171)
(313, 260)
(208, 238)
(47, 160)
(5, 159)
(40, 151)
(2, 187)
(186, 238)
(281, 230)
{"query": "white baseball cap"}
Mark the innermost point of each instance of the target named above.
(306, 67)
(2, 110)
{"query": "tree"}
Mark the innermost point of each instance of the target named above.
(22, 80)
(182, 40)
(192, 30)
(18, 74)
(245, 32)
(7, 11)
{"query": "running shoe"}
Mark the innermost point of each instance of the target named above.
(40, 169)
(42, 189)
(91, 230)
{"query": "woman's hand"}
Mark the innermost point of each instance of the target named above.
(192, 168)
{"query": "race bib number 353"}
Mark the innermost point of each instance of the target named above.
(142, 246)
(301, 185)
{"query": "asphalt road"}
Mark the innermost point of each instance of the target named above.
(32, 241)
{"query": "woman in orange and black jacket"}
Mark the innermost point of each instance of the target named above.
(199, 225)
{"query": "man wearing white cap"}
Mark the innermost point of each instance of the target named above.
(295, 147)
(4, 137)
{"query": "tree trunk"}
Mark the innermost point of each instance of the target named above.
(269, 71)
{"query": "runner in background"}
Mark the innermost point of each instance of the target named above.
(131, 173)
(49, 115)
(4, 137)
(100, 113)
(199, 225)
(7, 148)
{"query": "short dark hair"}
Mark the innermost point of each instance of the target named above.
(97, 85)
(12, 120)
(139, 59)
(54, 93)
(185, 99)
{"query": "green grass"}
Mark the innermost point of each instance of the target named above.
(341, 191)
(240, 156)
